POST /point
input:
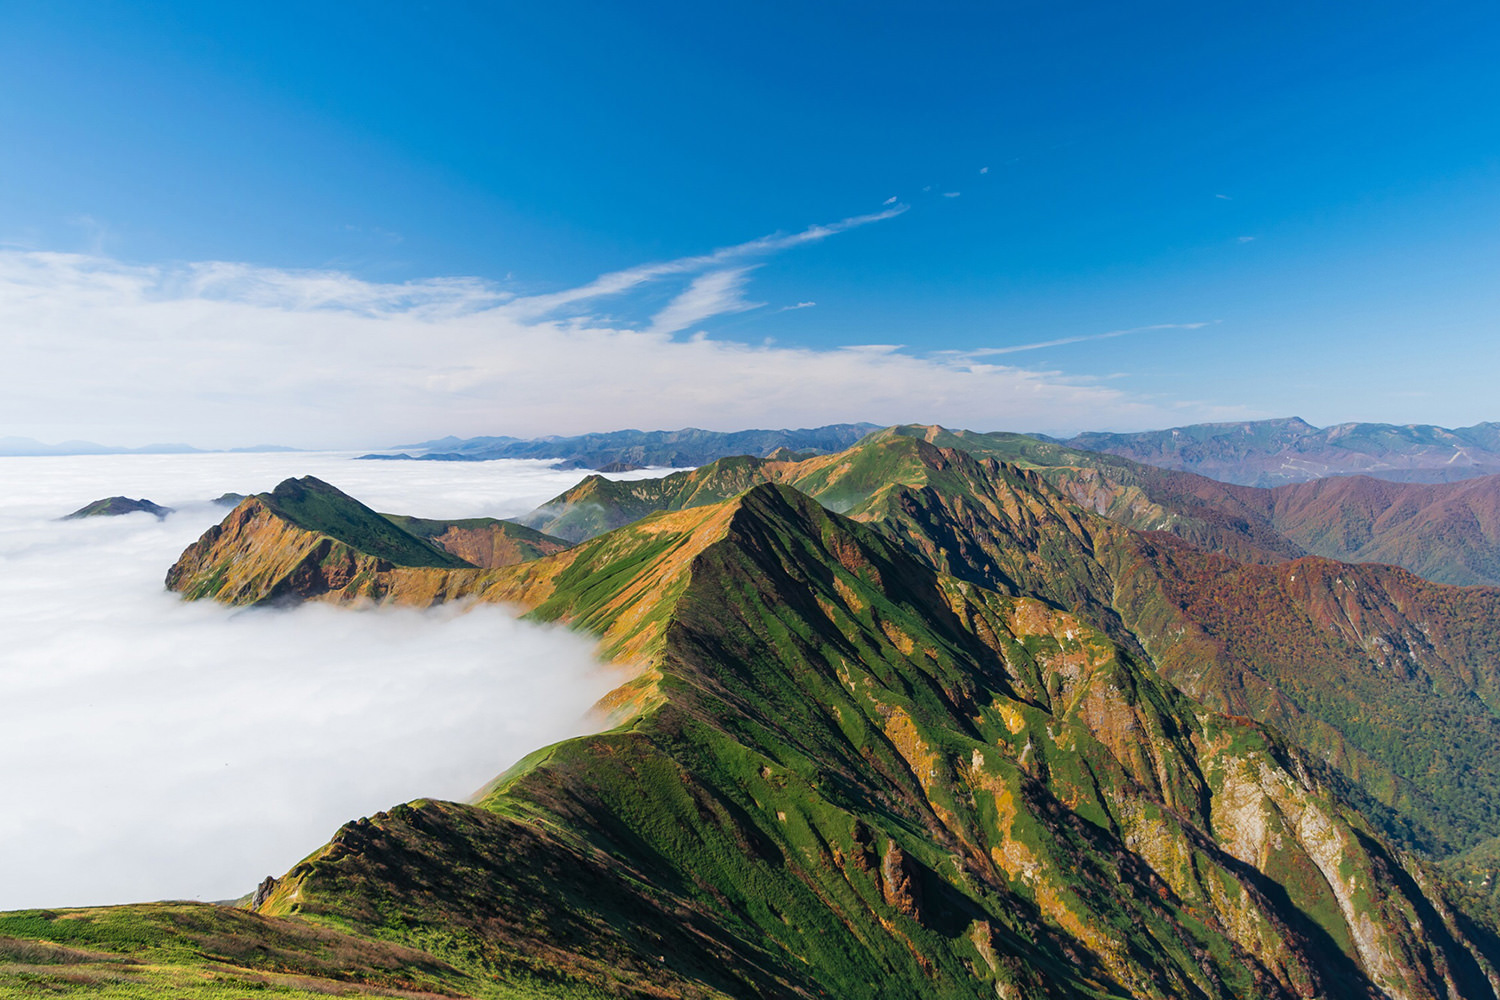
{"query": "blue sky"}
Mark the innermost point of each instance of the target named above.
(1295, 206)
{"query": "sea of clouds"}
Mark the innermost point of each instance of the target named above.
(152, 748)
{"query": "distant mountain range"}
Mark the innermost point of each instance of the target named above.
(1290, 450)
(1249, 453)
(12, 447)
(630, 449)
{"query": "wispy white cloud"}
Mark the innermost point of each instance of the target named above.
(711, 294)
(616, 282)
(951, 194)
(890, 201)
(799, 305)
(984, 170)
(988, 351)
(1223, 197)
(1247, 239)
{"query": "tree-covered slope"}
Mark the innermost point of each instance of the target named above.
(1446, 532)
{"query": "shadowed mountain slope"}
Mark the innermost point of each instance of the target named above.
(1217, 516)
(1445, 532)
(845, 773)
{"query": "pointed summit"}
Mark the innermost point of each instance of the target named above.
(303, 538)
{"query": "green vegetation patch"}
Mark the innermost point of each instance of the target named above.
(316, 506)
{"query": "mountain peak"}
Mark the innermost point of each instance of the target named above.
(303, 538)
(115, 506)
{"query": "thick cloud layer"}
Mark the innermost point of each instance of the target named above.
(155, 748)
(237, 355)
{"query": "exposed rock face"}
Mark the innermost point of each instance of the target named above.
(263, 892)
(898, 882)
(115, 506)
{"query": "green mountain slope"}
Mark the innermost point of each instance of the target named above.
(844, 773)
(969, 740)
(302, 538)
(115, 506)
(1400, 699)
(1210, 514)
(314, 505)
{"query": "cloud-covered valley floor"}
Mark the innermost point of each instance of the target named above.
(154, 748)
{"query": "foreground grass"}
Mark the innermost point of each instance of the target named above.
(195, 950)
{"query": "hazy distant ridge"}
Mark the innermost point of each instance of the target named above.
(21, 447)
(689, 446)
(1290, 450)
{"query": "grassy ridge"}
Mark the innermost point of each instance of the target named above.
(315, 506)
